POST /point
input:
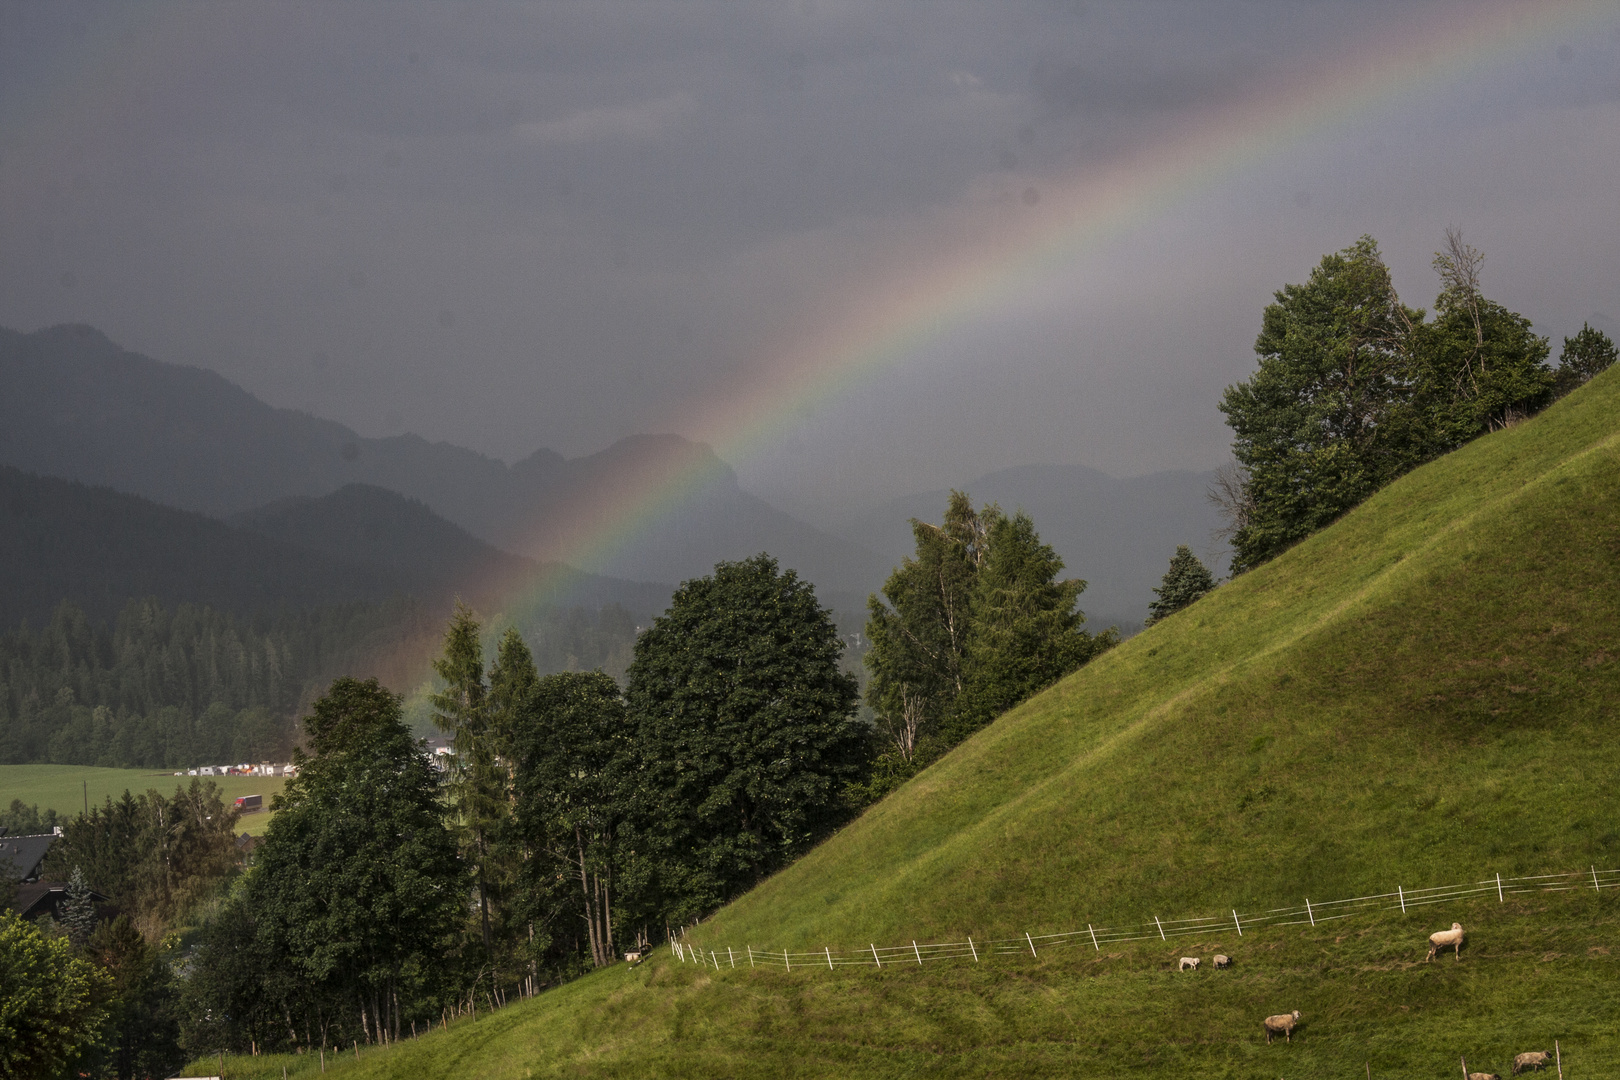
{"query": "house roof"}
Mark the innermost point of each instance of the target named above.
(23, 854)
(45, 898)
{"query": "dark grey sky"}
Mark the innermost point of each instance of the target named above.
(514, 226)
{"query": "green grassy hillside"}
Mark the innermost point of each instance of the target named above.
(62, 787)
(1424, 694)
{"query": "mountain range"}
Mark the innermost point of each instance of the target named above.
(75, 405)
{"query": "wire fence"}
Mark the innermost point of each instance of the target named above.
(1311, 913)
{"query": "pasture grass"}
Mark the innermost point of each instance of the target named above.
(62, 788)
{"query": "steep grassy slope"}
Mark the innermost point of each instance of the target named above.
(1423, 694)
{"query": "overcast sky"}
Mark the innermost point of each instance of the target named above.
(553, 225)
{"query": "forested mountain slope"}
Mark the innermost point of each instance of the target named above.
(1424, 693)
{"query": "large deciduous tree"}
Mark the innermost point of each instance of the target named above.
(747, 725)
(572, 742)
(357, 890)
(51, 1001)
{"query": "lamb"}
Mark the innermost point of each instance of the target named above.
(1281, 1024)
(632, 958)
(1446, 939)
(1222, 960)
(1530, 1059)
(1483, 1076)
(1189, 962)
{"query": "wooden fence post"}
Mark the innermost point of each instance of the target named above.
(1160, 925)
(1308, 914)
(1031, 942)
(1240, 925)
(918, 952)
(975, 951)
(875, 959)
(1093, 934)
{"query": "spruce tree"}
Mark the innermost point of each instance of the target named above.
(1588, 353)
(478, 785)
(1185, 581)
(78, 910)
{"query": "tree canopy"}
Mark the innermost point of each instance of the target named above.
(742, 709)
(1186, 580)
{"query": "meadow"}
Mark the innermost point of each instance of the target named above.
(65, 788)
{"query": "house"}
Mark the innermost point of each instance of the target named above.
(23, 856)
(47, 897)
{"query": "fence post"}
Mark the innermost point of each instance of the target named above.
(875, 959)
(1465, 1067)
(713, 960)
(1031, 943)
(1594, 876)
(786, 963)
(1499, 899)
(1093, 934)
(975, 951)
(1160, 925)
(918, 952)
(1560, 1052)
(1308, 913)
(750, 956)
(731, 956)
(1240, 925)
(829, 956)
(1402, 894)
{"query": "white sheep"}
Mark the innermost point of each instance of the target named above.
(1530, 1059)
(1446, 939)
(1281, 1024)
(1483, 1076)
(632, 958)
(1222, 960)
(1189, 963)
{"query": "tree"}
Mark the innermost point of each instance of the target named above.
(141, 1034)
(50, 1000)
(1478, 367)
(1026, 628)
(478, 785)
(1314, 428)
(919, 627)
(78, 916)
(746, 726)
(357, 890)
(572, 746)
(1185, 581)
(1588, 353)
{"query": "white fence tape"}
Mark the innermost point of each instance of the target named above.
(1312, 913)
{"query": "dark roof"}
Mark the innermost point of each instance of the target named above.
(24, 854)
(45, 898)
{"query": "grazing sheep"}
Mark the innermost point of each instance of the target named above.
(1446, 939)
(1530, 1059)
(1483, 1076)
(1281, 1024)
(1222, 960)
(632, 958)
(1189, 962)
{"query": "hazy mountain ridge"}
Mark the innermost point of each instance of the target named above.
(1116, 533)
(65, 540)
(75, 404)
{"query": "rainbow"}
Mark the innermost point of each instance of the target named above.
(999, 258)
(993, 250)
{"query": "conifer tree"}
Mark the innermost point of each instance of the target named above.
(478, 785)
(1026, 631)
(1588, 353)
(78, 910)
(1185, 581)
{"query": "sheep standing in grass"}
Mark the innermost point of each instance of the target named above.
(632, 958)
(1530, 1059)
(1222, 960)
(1483, 1076)
(1189, 963)
(1282, 1024)
(1446, 939)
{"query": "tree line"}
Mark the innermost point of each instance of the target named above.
(176, 687)
(578, 818)
(1354, 389)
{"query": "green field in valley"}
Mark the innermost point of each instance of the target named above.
(63, 788)
(1424, 694)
